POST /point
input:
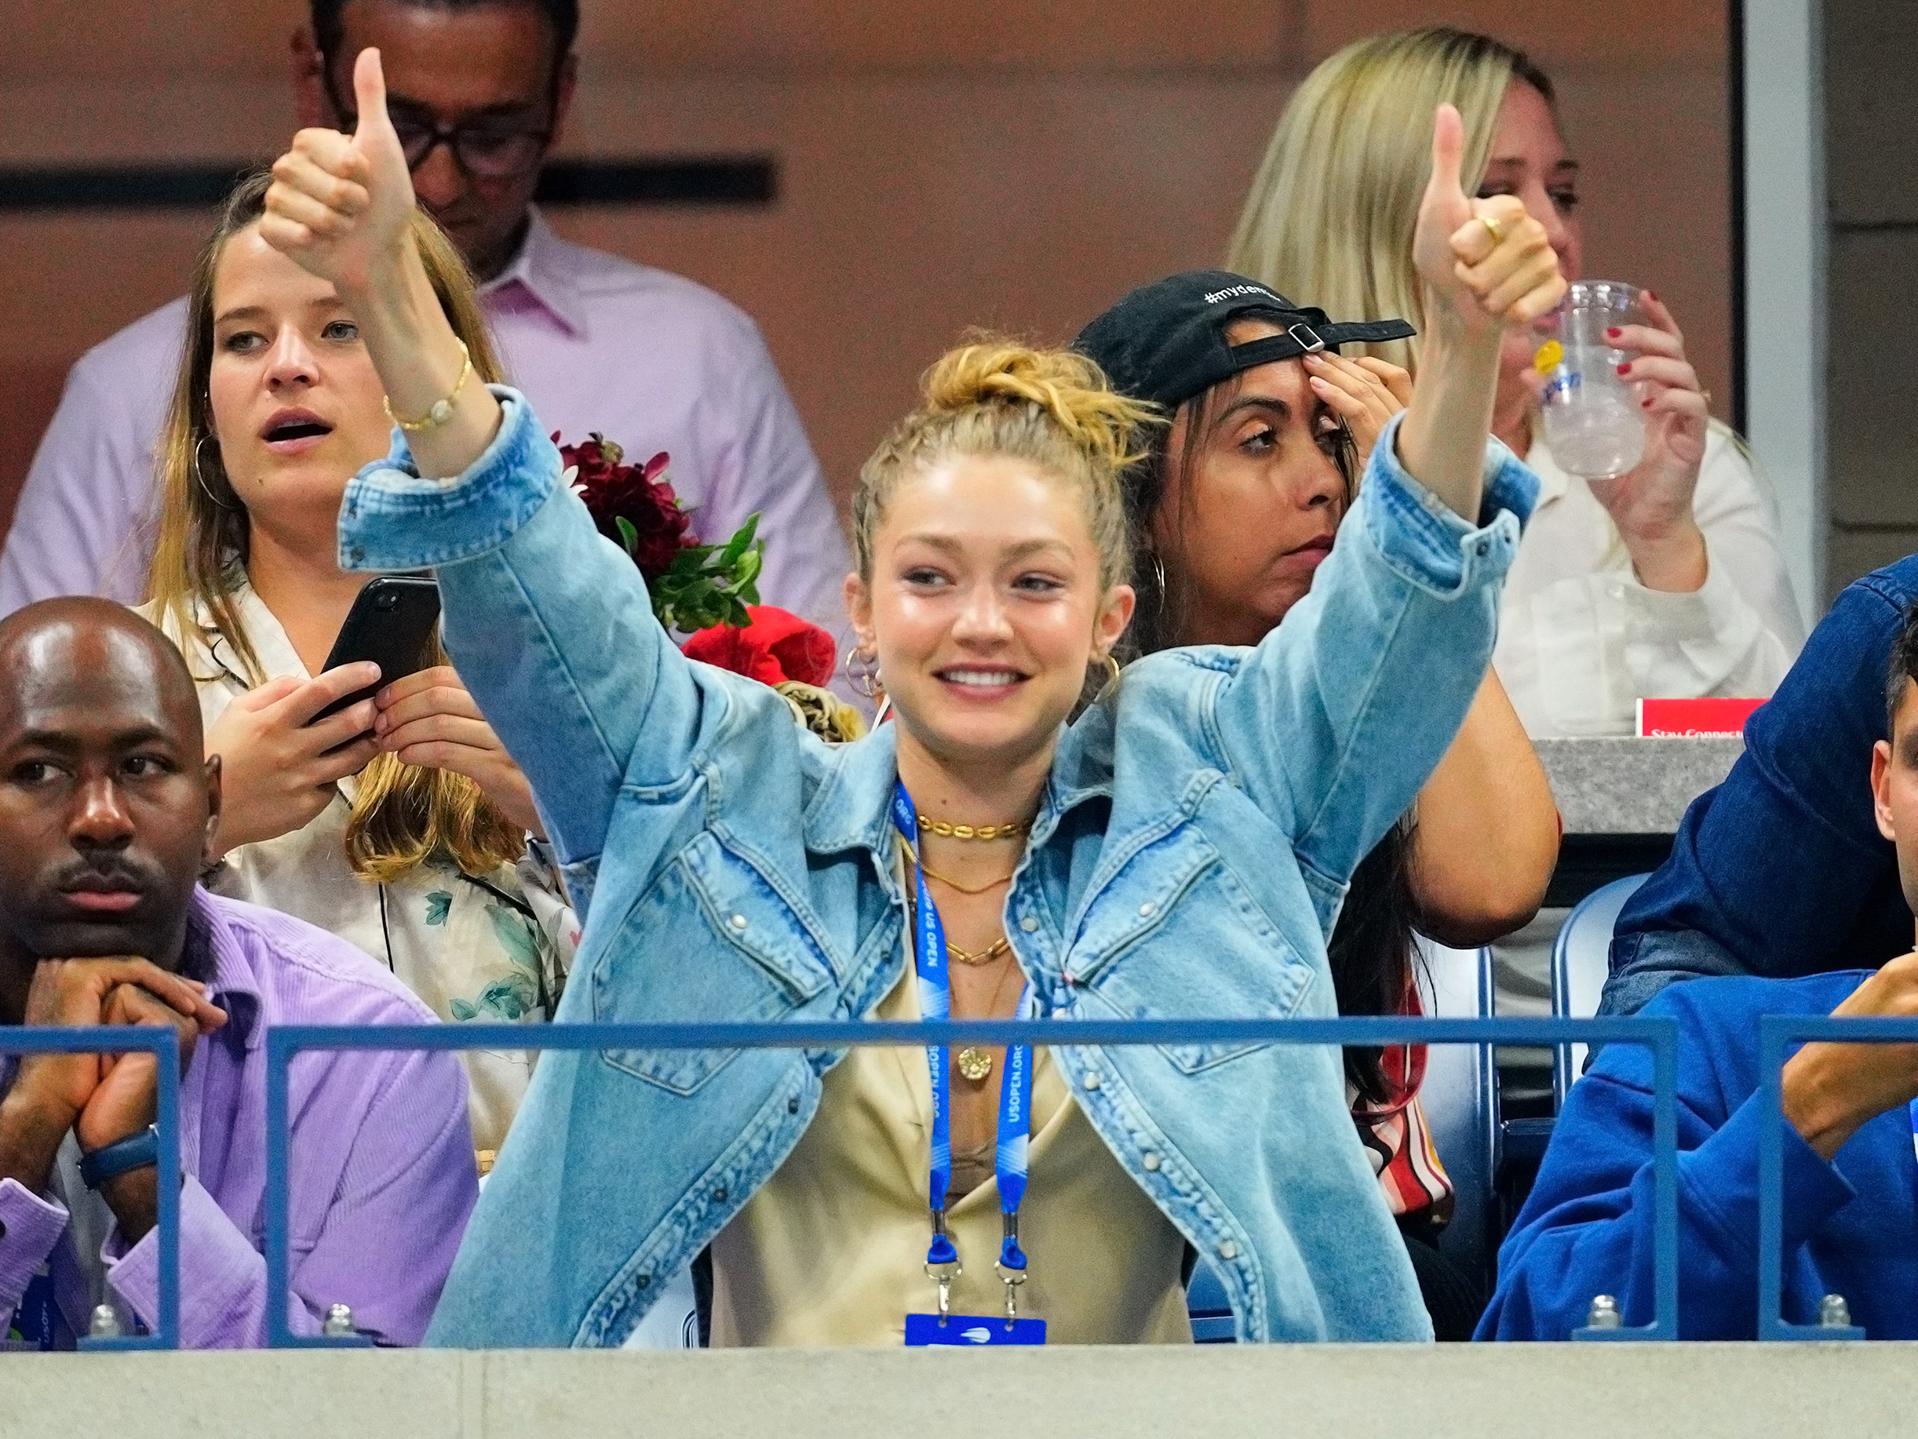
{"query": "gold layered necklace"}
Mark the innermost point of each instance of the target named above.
(974, 1062)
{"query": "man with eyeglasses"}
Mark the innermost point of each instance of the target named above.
(479, 92)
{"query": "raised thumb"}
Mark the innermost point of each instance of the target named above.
(1448, 151)
(369, 94)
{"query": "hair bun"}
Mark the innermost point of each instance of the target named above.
(1067, 386)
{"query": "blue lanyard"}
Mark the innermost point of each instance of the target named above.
(1015, 1092)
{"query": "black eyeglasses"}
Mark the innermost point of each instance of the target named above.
(483, 150)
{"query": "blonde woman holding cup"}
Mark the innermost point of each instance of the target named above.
(1664, 581)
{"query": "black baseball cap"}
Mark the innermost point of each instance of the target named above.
(1166, 342)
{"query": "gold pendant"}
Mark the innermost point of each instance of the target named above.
(974, 1063)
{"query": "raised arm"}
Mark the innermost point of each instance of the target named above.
(1487, 833)
(548, 624)
(1344, 709)
(342, 207)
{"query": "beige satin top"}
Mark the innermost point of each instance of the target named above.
(832, 1250)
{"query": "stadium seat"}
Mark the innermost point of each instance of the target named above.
(1581, 960)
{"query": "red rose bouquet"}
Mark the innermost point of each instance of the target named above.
(693, 585)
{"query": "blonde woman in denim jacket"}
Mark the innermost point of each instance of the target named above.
(732, 867)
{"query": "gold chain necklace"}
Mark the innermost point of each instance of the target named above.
(1011, 830)
(974, 1062)
(950, 883)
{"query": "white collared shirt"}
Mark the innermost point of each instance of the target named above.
(1581, 641)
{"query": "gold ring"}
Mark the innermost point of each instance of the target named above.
(1492, 228)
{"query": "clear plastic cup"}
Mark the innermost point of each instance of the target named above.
(1592, 418)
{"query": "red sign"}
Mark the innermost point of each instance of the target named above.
(1688, 719)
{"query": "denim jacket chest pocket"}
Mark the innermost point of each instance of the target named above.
(1177, 934)
(719, 944)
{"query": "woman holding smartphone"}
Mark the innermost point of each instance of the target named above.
(397, 822)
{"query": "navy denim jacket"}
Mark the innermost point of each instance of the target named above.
(1780, 871)
(1191, 851)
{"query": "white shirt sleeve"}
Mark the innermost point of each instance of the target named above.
(1581, 641)
(1740, 631)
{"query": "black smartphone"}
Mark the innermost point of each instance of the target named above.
(391, 623)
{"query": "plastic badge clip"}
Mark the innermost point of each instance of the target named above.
(943, 1272)
(1012, 1276)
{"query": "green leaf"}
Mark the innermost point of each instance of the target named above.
(741, 541)
(463, 1011)
(628, 535)
(438, 903)
(517, 937)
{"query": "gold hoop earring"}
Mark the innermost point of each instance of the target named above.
(866, 678)
(199, 474)
(1112, 675)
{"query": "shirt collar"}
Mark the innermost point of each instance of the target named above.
(263, 632)
(215, 956)
(541, 271)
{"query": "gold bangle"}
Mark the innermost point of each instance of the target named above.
(441, 410)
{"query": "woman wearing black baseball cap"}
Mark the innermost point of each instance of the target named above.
(1232, 512)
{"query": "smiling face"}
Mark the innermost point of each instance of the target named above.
(1529, 160)
(295, 398)
(1244, 525)
(986, 608)
(106, 803)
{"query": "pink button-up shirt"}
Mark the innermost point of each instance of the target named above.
(646, 358)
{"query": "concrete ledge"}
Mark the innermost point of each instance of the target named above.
(1628, 786)
(1351, 1391)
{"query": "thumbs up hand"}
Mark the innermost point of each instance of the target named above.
(1486, 264)
(339, 205)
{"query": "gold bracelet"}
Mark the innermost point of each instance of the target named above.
(442, 410)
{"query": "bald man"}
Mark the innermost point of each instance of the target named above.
(107, 812)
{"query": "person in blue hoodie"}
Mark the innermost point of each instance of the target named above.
(1850, 1188)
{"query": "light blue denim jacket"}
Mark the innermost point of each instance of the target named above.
(1191, 851)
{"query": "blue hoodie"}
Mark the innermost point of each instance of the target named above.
(1850, 1227)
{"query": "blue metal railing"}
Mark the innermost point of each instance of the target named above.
(163, 1043)
(1775, 1031)
(1659, 1034)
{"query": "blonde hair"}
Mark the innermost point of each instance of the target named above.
(1333, 208)
(402, 814)
(995, 396)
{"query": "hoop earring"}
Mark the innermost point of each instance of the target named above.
(1112, 676)
(200, 475)
(865, 679)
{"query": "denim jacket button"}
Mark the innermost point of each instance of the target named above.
(1148, 909)
(719, 1194)
(1090, 1079)
(738, 921)
(792, 1105)
(1228, 1250)
(1151, 1162)
(1028, 924)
